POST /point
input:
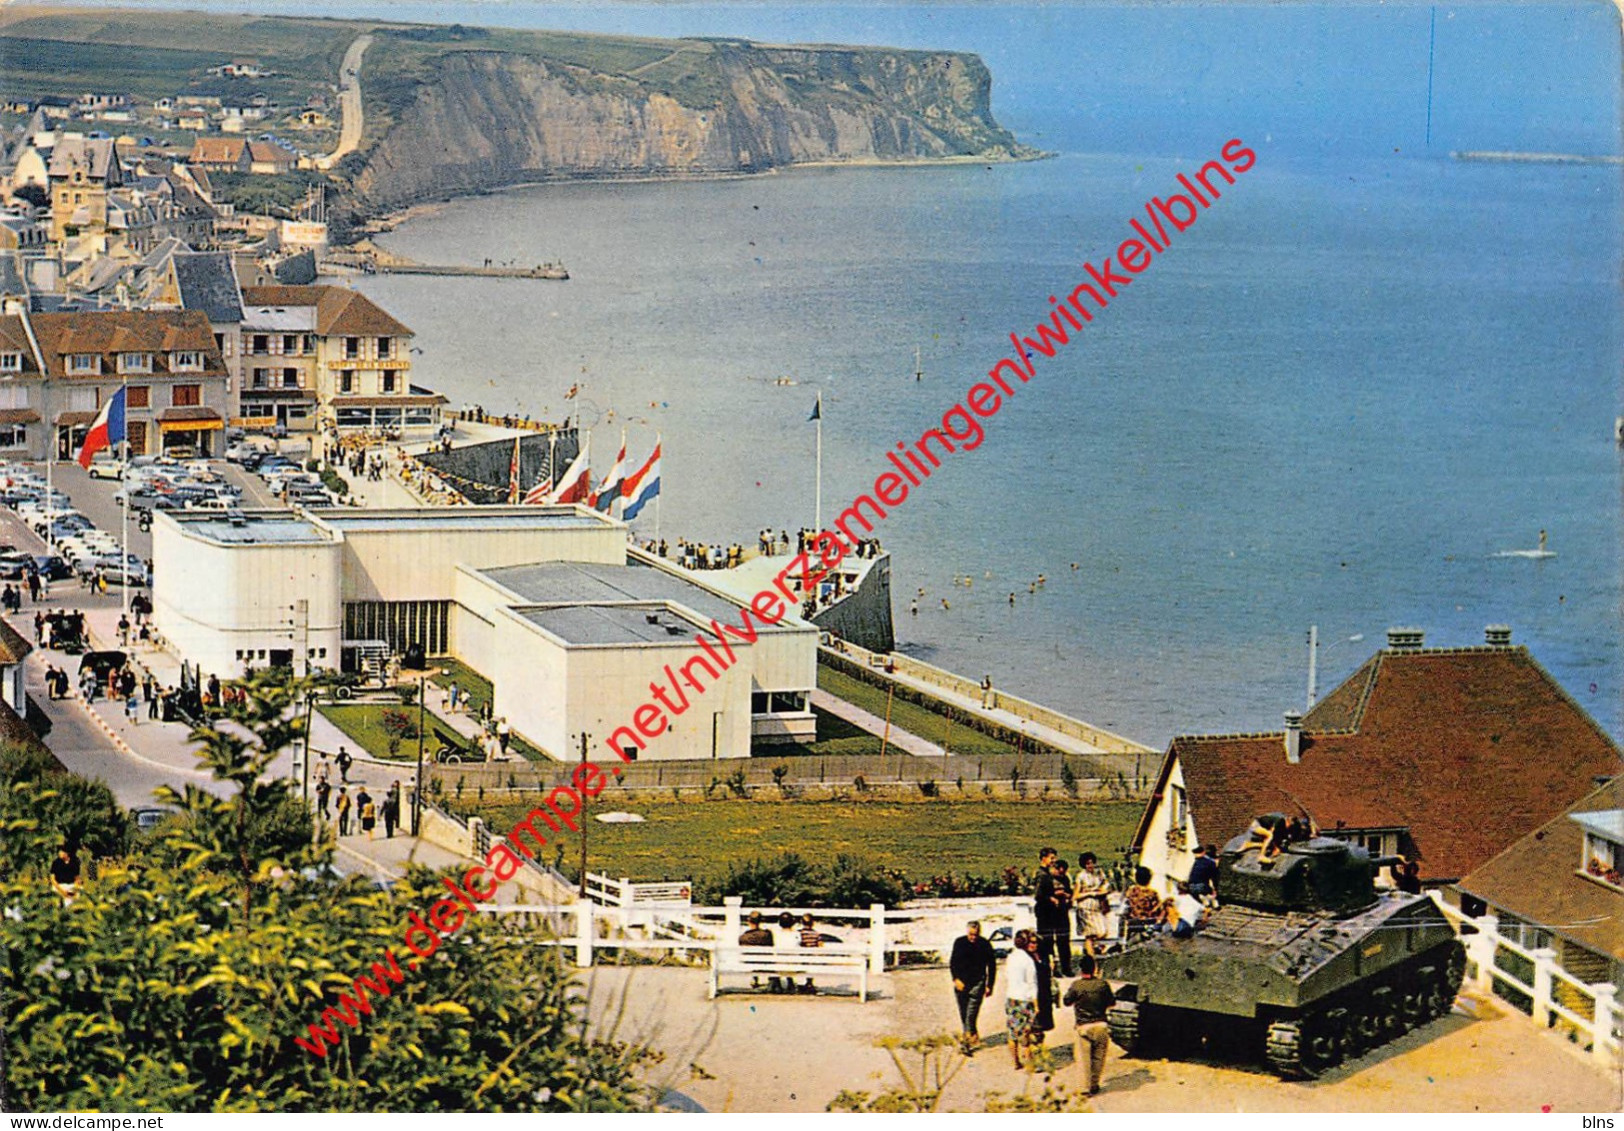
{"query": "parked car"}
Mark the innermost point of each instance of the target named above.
(148, 817)
(106, 469)
(132, 575)
(52, 568)
(14, 565)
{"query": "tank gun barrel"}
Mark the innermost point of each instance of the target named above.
(1386, 861)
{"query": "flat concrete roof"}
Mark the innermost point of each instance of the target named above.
(251, 527)
(588, 583)
(462, 518)
(279, 319)
(613, 624)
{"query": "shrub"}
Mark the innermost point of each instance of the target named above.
(397, 724)
(928, 788)
(860, 783)
(790, 880)
(735, 782)
(780, 772)
(1068, 778)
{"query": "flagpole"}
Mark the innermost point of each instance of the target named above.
(817, 512)
(124, 513)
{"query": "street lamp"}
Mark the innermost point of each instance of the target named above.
(417, 784)
(1313, 658)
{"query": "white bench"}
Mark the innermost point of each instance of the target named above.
(791, 961)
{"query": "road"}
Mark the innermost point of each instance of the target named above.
(349, 98)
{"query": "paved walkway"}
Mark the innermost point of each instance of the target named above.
(857, 717)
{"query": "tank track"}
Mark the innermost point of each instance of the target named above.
(1345, 1026)
(1123, 1021)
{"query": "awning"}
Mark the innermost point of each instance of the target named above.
(70, 419)
(278, 395)
(18, 416)
(387, 402)
(190, 418)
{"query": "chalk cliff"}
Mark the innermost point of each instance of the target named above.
(482, 119)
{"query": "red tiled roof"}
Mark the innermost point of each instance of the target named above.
(1537, 880)
(339, 310)
(111, 332)
(1468, 748)
(14, 338)
(218, 150)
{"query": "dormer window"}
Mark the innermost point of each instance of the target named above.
(1603, 853)
(11, 362)
(186, 361)
(84, 363)
(135, 363)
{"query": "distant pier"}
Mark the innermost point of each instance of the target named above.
(367, 258)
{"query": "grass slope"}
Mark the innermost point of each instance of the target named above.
(695, 840)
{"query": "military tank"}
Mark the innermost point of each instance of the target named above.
(1305, 963)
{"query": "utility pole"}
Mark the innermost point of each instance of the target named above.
(585, 820)
(417, 786)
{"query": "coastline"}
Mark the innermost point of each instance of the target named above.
(390, 220)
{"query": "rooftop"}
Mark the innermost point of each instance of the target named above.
(463, 518)
(644, 623)
(249, 527)
(587, 583)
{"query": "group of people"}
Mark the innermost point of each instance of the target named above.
(1029, 997)
(804, 934)
(362, 810)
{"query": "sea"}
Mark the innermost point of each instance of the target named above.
(1344, 398)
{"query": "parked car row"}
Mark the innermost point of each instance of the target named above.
(81, 549)
(158, 483)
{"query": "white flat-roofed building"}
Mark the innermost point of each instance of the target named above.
(246, 589)
(546, 602)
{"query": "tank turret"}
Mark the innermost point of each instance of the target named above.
(1305, 961)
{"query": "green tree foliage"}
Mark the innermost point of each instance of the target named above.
(180, 981)
(790, 880)
(41, 806)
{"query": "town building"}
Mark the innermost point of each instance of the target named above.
(340, 346)
(220, 155)
(1560, 887)
(14, 650)
(178, 386)
(1445, 755)
(547, 603)
(203, 280)
(82, 171)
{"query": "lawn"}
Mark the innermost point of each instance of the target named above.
(364, 723)
(696, 840)
(910, 717)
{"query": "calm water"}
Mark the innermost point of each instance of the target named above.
(1343, 391)
(1365, 372)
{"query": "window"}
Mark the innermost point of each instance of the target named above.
(261, 379)
(388, 380)
(290, 343)
(135, 363)
(261, 343)
(220, 344)
(13, 435)
(186, 361)
(184, 395)
(11, 362)
(385, 347)
(1603, 856)
(138, 396)
(346, 380)
(352, 347)
(309, 343)
(13, 396)
(84, 363)
(290, 378)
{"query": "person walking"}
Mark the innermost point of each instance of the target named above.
(39, 627)
(344, 760)
(132, 710)
(1089, 997)
(1021, 993)
(343, 805)
(369, 815)
(391, 810)
(974, 968)
(1092, 900)
(324, 790)
(124, 630)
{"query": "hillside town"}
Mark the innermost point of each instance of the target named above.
(229, 511)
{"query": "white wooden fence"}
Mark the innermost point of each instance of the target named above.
(1533, 982)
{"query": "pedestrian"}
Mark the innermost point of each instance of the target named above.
(987, 699)
(1204, 875)
(1053, 927)
(344, 761)
(810, 937)
(324, 770)
(391, 810)
(124, 630)
(132, 710)
(456, 696)
(1021, 993)
(324, 790)
(1089, 997)
(503, 736)
(33, 585)
(369, 815)
(39, 627)
(153, 698)
(974, 968)
(343, 805)
(65, 873)
(1091, 898)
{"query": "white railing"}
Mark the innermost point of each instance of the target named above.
(609, 892)
(1590, 1014)
(890, 937)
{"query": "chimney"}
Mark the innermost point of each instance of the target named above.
(1294, 737)
(1497, 636)
(1405, 639)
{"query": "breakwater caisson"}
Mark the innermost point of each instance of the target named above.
(961, 429)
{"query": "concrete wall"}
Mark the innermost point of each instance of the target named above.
(210, 601)
(481, 471)
(863, 616)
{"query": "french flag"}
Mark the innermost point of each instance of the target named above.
(642, 485)
(572, 485)
(106, 431)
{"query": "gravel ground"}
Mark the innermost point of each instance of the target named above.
(772, 1053)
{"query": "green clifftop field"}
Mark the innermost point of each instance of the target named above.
(451, 110)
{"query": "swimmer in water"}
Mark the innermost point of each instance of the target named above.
(945, 605)
(1012, 600)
